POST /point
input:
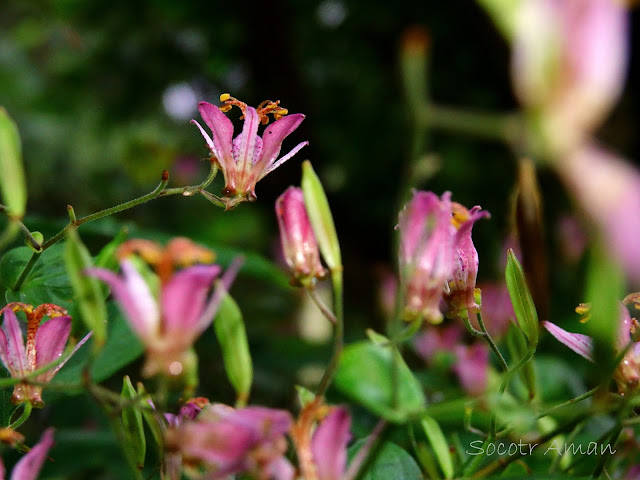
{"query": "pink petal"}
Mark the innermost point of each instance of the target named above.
(281, 160)
(329, 445)
(244, 145)
(134, 297)
(183, 300)
(51, 339)
(223, 286)
(471, 367)
(275, 134)
(29, 466)
(581, 344)
(221, 128)
(71, 354)
(3, 472)
(12, 345)
(280, 469)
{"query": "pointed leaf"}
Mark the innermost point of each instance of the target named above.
(152, 419)
(12, 183)
(366, 374)
(390, 462)
(521, 299)
(320, 216)
(232, 335)
(517, 344)
(136, 445)
(439, 444)
(87, 290)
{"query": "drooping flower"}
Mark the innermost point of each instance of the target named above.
(460, 292)
(426, 253)
(608, 188)
(44, 345)
(299, 243)
(167, 323)
(568, 65)
(627, 374)
(248, 158)
(329, 445)
(29, 466)
(226, 441)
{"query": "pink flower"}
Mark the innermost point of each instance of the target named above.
(472, 366)
(227, 441)
(426, 253)
(248, 158)
(569, 63)
(438, 340)
(329, 445)
(28, 467)
(497, 310)
(608, 189)
(462, 283)
(627, 375)
(299, 243)
(45, 344)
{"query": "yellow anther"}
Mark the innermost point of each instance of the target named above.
(224, 97)
(226, 108)
(459, 214)
(584, 310)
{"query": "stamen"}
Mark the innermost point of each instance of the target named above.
(584, 310)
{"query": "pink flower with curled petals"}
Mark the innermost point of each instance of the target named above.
(169, 324)
(426, 253)
(44, 345)
(225, 441)
(627, 374)
(329, 445)
(29, 466)
(299, 243)
(568, 65)
(248, 158)
(460, 292)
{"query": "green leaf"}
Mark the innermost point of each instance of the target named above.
(521, 299)
(439, 444)
(305, 396)
(47, 283)
(136, 445)
(232, 335)
(366, 374)
(390, 462)
(152, 419)
(317, 205)
(87, 290)
(12, 183)
(517, 344)
(604, 290)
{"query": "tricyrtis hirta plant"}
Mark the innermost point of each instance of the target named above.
(458, 377)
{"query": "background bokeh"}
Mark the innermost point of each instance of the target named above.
(103, 93)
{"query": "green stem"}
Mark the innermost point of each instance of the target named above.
(483, 333)
(321, 306)
(27, 233)
(338, 332)
(26, 271)
(26, 412)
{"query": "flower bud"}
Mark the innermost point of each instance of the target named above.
(299, 243)
(426, 253)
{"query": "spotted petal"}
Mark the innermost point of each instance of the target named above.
(51, 339)
(12, 350)
(581, 344)
(275, 134)
(221, 128)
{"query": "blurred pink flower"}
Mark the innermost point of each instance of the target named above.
(572, 238)
(45, 344)
(426, 253)
(227, 441)
(329, 445)
(460, 292)
(472, 366)
(167, 326)
(248, 158)
(435, 340)
(299, 243)
(627, 375)
(569, 63)
(29, 466)
(609, 191)
(497, 310)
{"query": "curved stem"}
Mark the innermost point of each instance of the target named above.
(321, 306)
(26, 412)
(27, 233)
(338, 332)
(491, 343)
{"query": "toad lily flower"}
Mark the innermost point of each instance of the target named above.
(226, 441)
(248, 158)
(329, 445)
(569, 63)
(45, 344)
(29, 466)
(627, 375)
(426, 253)
(299, 243)
(460, 294)
(168, 324)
